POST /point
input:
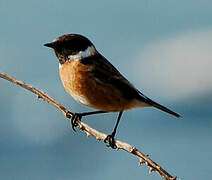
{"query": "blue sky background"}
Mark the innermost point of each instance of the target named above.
(162, 47)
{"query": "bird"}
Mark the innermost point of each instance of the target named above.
(93, 81)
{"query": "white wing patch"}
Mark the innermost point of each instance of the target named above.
(83, 54)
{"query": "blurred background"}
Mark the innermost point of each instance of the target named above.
(163, 47)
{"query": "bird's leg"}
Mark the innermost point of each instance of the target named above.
(78, 116)
(110, 138)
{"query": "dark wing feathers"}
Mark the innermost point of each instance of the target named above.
(106, 73)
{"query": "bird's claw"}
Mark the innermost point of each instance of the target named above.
(74, 118)
(110, 141)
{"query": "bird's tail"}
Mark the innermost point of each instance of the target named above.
(150, 102)
(163, 108)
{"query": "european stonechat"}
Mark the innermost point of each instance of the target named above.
(93, 81)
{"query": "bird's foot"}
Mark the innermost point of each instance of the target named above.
(111, 141)
(75, 117)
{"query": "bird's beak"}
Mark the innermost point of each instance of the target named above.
(51, 45)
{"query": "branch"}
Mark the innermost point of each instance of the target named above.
(143, 159)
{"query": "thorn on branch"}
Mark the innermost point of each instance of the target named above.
(141, 161)
(88, 134)
(80, 127)
(98, 138)
(151, 169)
(133, 149)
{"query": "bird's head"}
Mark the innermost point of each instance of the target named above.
(72, 46)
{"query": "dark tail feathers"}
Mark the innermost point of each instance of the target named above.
(163, 108)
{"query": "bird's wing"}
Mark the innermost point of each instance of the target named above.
(104, 72)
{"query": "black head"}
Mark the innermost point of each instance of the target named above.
(69, 44)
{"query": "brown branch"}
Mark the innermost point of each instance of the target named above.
(93, 132)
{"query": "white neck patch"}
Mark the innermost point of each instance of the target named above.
(83, 54)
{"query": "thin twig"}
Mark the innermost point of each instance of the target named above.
(93, 132)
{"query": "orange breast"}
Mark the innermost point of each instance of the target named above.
(84, 88)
